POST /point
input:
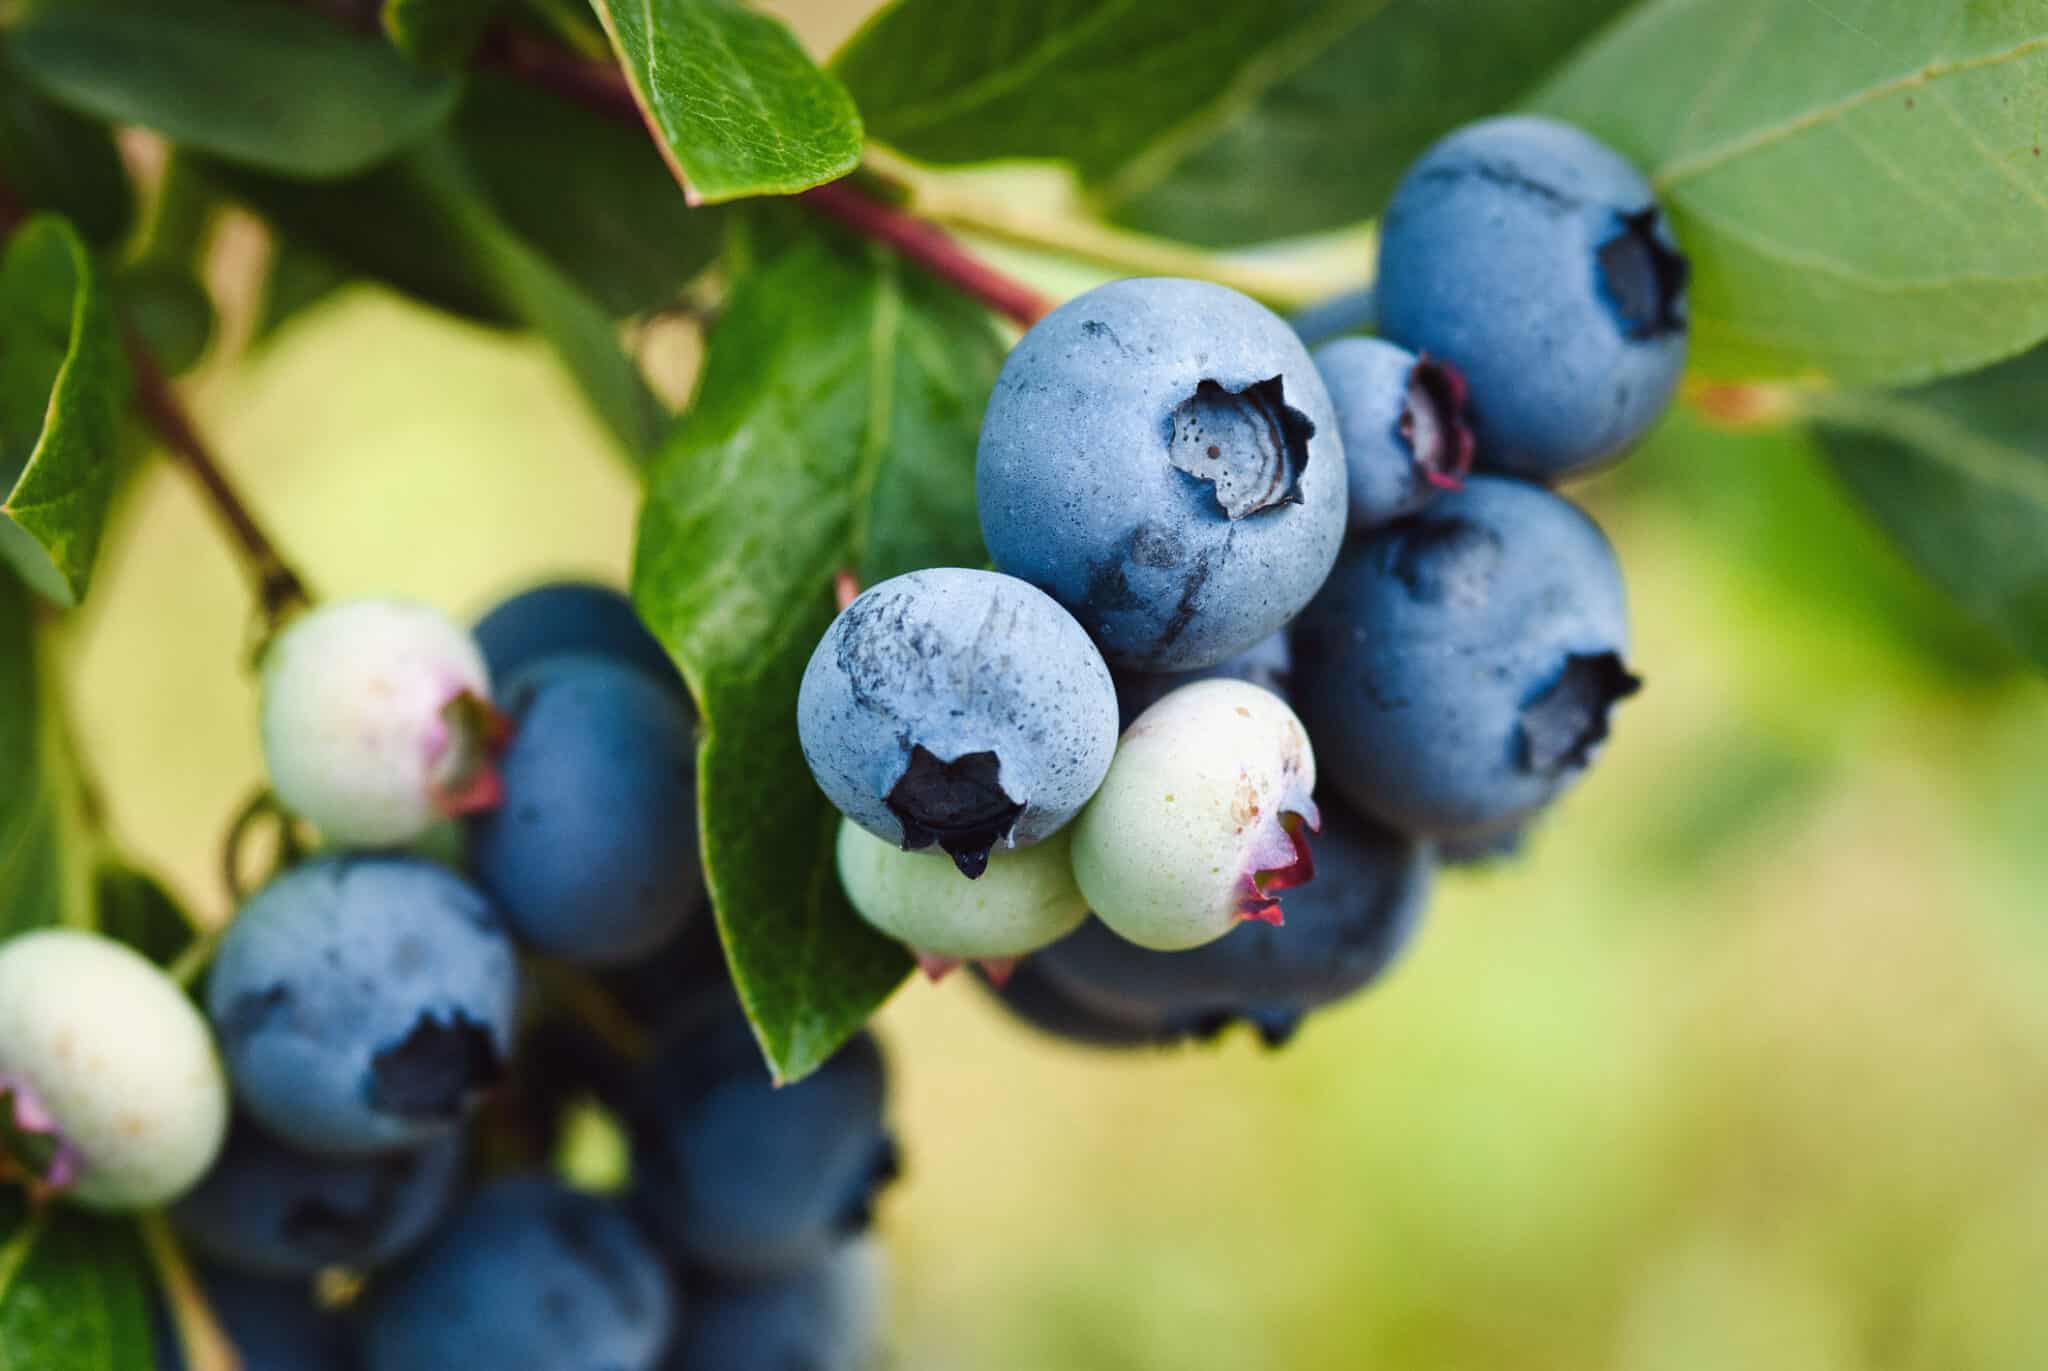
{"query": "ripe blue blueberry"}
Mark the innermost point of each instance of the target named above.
(273, 1325)
(1536, 260)
(110, 1088)
(570, 618)
(736, 1174)
(1344, 928)
(1033, 996)
(273, 1211)
(824, 1317)
(376, 721)
(960, 709)
(1160, 455)
(364, 1003)
(1202, 819)
(593, 854)
(527, 1276)
(1403, 421)
(1268, 664)
(1458, 670)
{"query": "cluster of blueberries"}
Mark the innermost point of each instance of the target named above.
(369, 1001)
(1200, 528)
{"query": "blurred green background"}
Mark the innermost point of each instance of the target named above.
(1743, 1064)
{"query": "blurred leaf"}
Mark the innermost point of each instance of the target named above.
(1316, 139)
(63, 389)
(133, 908)
(607, 212)
(74, 1292)
(1957, 473)
(1863, 189)
(264, 85)
(36, 886)
(834, 426)
(300, 277)
(169, 308)
(737, 105)
(437, 33)
(58, 161)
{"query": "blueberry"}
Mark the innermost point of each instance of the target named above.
(736, 1174)
(1033, 996)
(1268, 663)
(273, 1211)
(593, 854)
(274, 1326)
(1200, 821)
(570, 618)
(1344, 928)
(110, 1088)
(1024, 900)
(1535, 260)
(824, 1317)
(1403, 421)
(1160, 455)
(376, 721)
(957, 708)
(364, 1003)
(1458, 670)
(528, 1276)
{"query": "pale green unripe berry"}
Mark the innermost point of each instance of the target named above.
(374, 715)
(1199, 822)
(1026, 899)
(119, 1062)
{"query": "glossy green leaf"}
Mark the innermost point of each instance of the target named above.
(265, 85)
(74, 1292)
(1862, 185)
(56, 160)
(38, 873)
(1957, 473)
(834, 427)
(607, 213)
(63, 389)
(133, 907)
(1316, 139)
(437, 33)
(739, 107)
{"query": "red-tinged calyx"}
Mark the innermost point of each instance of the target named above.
(935, 967)
(998, 969)
(462, 756)
(33, 1151)
(1433, 423)
(1279, 860)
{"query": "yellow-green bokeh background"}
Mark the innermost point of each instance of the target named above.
(1744, 1065)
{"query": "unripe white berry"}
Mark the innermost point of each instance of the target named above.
(1026, 899)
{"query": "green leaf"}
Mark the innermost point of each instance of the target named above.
(1957, 473)
(607, 213)
(1863, 187)
(74, 1292)
(834, 427)
(135, 909)
(740, 110)
(300, 277)
(437, 33)
(168, 306)
(264, 85)
(63, 389)
(1314, 137)
(58, 161)
(39, 878)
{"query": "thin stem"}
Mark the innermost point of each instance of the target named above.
(191, 964)
(200, 1336)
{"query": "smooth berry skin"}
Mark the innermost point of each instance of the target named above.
(527, 1276)
(1344, 929)
(1403, 422)
(1458, 671)
(570, 619)
(958, 710)
(739, 1175)
(1026, 899)
(1202, 819)
(364, 1004)
(1535, 259)
(117, 1061)
(269, 1210)
(593, 854)
(1038, 1000)
(1087, 471)
(824, 1317)
(273, 1325)
(1268, 664)
(364, 730)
